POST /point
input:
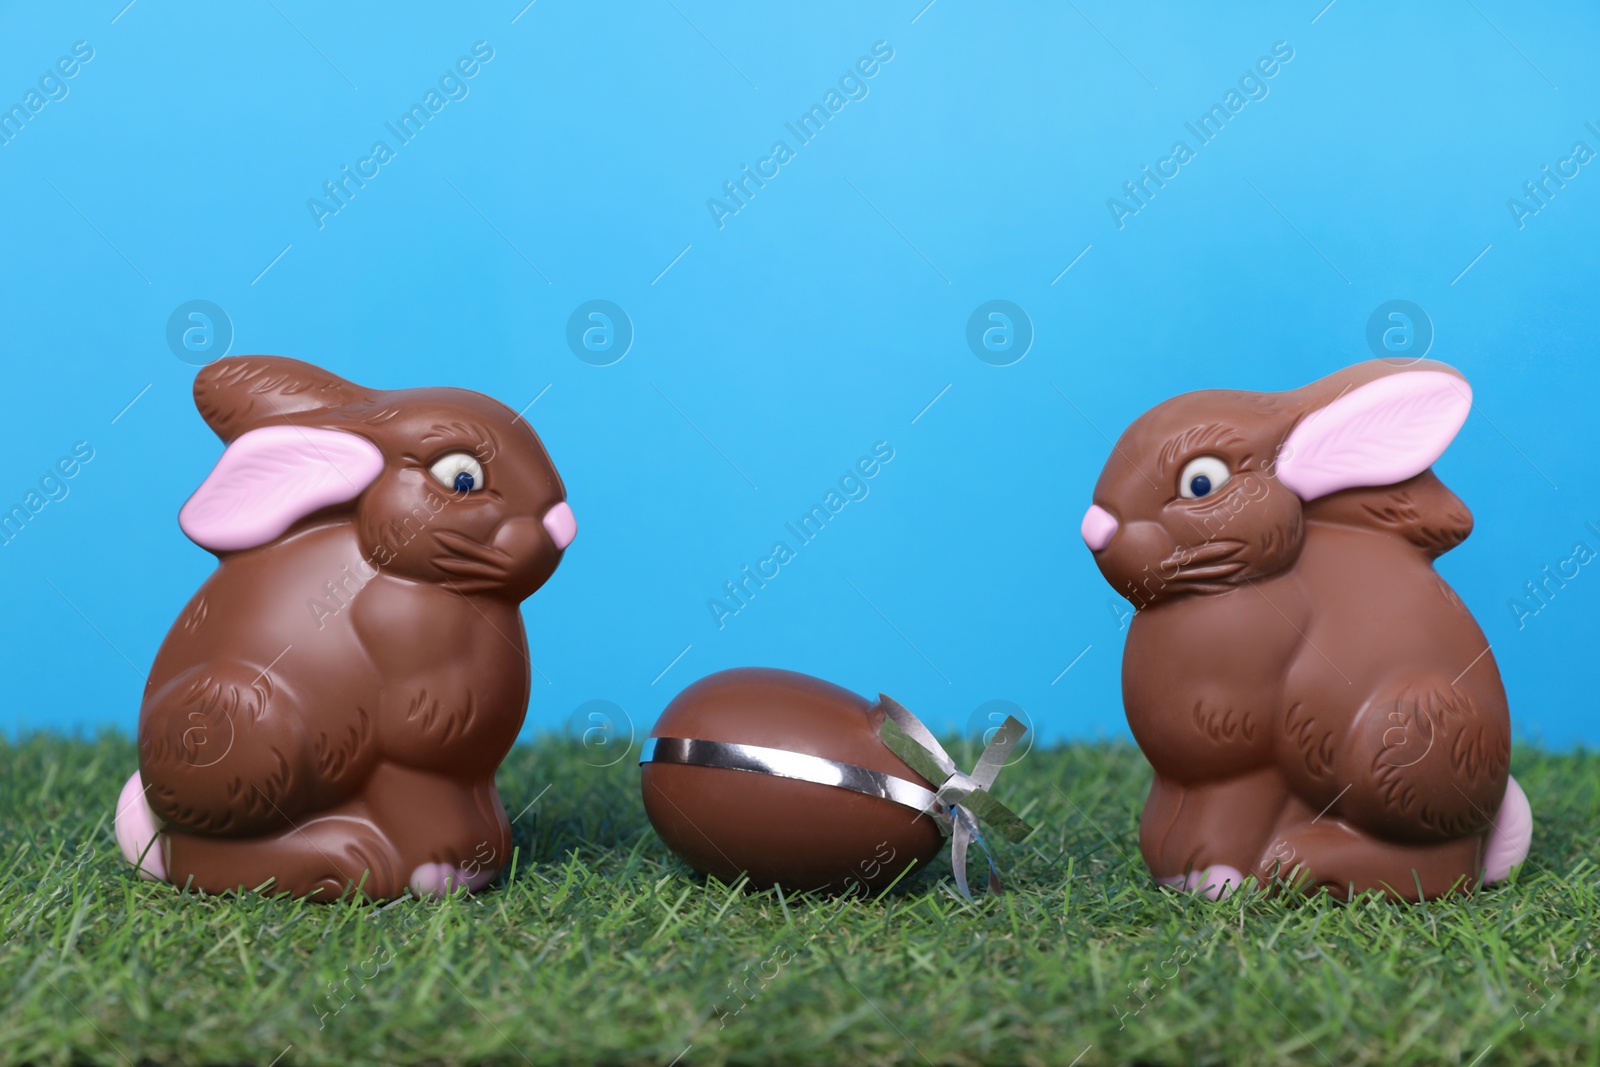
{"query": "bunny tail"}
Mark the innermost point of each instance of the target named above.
(136, 831)
(1512, 834)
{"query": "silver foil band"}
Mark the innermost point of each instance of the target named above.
(692, 752)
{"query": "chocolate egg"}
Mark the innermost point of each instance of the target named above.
(783, 777)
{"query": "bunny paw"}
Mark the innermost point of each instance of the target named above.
(1511, 836)
(442, 879)
(138, 836)
(1216, 881)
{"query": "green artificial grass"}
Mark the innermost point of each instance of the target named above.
(601, 947)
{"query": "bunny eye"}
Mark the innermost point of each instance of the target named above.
(1202, 476)
(460, 472)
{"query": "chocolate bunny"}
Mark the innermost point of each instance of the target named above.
(1318, 705)
(329, 709)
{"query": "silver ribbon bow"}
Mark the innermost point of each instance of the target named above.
(961, 799)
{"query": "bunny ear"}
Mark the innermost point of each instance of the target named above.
(1380, 433)
(240, 393)
(270, 478)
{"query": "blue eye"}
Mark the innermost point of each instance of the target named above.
(1199, 485)
(459, 472)
(1202, 476)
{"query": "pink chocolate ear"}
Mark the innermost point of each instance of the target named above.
(270, 478)
(1380, 433)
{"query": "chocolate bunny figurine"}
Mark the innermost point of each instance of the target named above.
(329, 709)
(1319, 707)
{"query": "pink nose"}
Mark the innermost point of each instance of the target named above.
(562, 524)
(1098, 526)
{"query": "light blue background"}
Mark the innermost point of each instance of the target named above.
(822, 318)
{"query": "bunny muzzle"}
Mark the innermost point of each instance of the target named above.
(1142, 560)
(518, 557)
